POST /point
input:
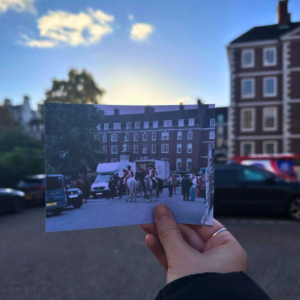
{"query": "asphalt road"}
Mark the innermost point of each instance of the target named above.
(114, 263)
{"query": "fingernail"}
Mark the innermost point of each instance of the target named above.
(161, 212)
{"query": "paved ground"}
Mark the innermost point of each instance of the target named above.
(113, 263)
(117, 212)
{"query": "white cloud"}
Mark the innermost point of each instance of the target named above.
(64, 28)
(131, 17)
(17, 5)
(141, 31)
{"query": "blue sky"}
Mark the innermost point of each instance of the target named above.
(140, 52)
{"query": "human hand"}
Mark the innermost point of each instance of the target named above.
(190, 249)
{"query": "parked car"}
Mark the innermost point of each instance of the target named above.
(11, 200)
(34, 188)
(244, 189)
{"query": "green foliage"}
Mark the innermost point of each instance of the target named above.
(50, 169)
(6, 119)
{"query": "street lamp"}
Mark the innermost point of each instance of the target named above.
(62, 154)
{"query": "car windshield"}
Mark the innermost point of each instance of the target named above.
(102, 177)
(53, 183)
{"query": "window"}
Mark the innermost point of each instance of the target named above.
(247, 148)
(99, 127)
(126, 137)
(211, 135)
(155, 124)
(252, 175)
(210, 150)
(135, 149)
(106, 126)
(247, 119)
(105, 148)
(114, 149)
(212, 123)
(153, 148)
(114, 137)
(114, 159)
(248, 87)
(190, 135)
(164, 148)
(270, 118)
(270, 147)
(137, 125)
(179, 135)
(179, 148)
(126, 147)
(181, 122)
(144, 149)
(270, 57)
(117, 125)
(270, 86)
(144, 136)
(128, 125)
(220, 130)
(178, 164)
(153, 136)
(192, 122)
(146, 125)
(165, 135)
(167, 123)
(248, 58)
(104, 138)
(189, 148)
(136, 137)
(220, 118)
(189, 164)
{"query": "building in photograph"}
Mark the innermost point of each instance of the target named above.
(265, 88)
(184, 136)
(221, 146)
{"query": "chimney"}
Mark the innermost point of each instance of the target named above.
(181, 107)
(7, 102)
(284, 17)
(149, 109)
(116, 111)
(26, 100)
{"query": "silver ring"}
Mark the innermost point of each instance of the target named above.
(220, 230)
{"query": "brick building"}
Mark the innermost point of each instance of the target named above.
(265, 88)
(183, 136)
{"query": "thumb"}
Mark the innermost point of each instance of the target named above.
(168, 231)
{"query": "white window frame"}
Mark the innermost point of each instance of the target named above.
(167, 123)
(275, 117)
(136, 137)
(179, 134)
(162, 146)
(212, 122)
(114, 159)
(181, 123)
(117, 126)
(187, 160)
(275, 86)
(104, 148)
(145, 135)
(146, 124)
(167, 134)
(114, 147)
(137, 125)
(244, 51)
(220, 118)
(153, 148)
(242, 88)
(104, 138)
(266, 64)
(189, 148)
(106, 126)
(155, 124)
(135, 149)
(154, 136)
(254, 120)
(188, 137)
(179, 146)
(178, 160)
(220, 130)
(126, 137)
(275, 143)
(144, 146)
(212, 135)
(128, 125)
(247, 142)
(191, 121)
(114, 135)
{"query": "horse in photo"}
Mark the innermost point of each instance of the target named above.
(139, 188)
(131, 189)
(149, 187)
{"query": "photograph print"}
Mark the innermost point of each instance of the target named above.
(110, 165)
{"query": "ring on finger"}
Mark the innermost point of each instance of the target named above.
(220, 230)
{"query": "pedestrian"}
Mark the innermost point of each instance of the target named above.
(170, 185)
(118, 185)
(201, 262)
(112, 187)
(186, 185)
(193, 188)
(174, 184)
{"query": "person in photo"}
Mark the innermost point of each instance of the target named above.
(193, 188)
(174, 184)
(170, 185)
(186, 185)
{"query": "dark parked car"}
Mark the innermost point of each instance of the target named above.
(242, 189)
(11, 200)
(34, 188)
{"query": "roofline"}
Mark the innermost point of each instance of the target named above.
(249, 44)
(288, 35)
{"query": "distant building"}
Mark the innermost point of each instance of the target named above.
(221, 147)
(265, 88)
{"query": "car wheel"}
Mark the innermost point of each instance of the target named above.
(77, 203)
(18, 205)
(56, 212)
(294, 209)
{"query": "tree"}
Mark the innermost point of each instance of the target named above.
(6, 118)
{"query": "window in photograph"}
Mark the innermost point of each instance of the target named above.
(248, 58)
(126, 137)
(248, 88)
(270, 147)
(114, 159)
(105, 148)
(212, 135)
(165, 135)
(270, 57)
(247, 119)
(114, 149)
(212, 123)
(99, 127)
(191, 122)
(220, 118)
(136, 137)
(247, 148)
(104, 138)
(210, 148)
(137, 125)
(190, 135)
(155, 124)
(114, 137)
(153, 148)
(117, 125)
(220, 130)
(153, 136)
(189, 164)
(128, 125)
(144, 149)
(135, 149)
(167, 123)
(146, 125)
(179, 135)
(189, 148)
(178, 164)
(144, 136)
(179, 148)
(181, 122)
(270, 86)
(270, 118)
(165, 148)
(106, 126)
